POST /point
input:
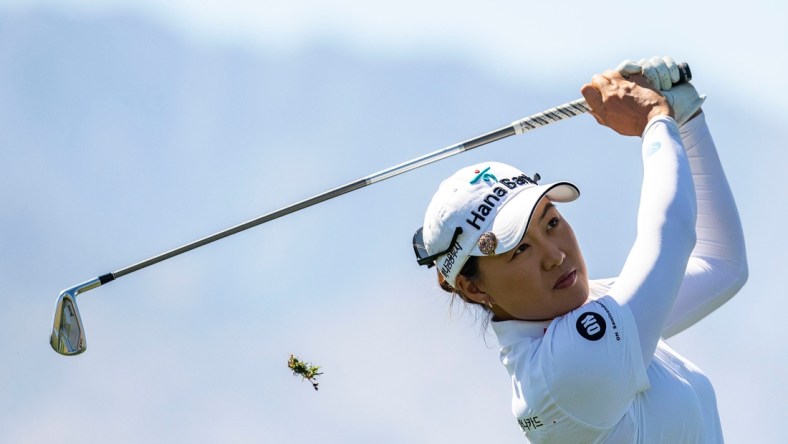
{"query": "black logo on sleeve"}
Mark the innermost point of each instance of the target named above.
(591, 326)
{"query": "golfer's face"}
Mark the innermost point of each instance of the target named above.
(543, 277)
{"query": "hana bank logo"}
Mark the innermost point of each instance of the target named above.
(484, 175)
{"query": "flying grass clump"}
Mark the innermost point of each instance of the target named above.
(304, 369)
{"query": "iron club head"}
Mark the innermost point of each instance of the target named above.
(68, 334)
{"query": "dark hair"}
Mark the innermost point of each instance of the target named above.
(470, 270)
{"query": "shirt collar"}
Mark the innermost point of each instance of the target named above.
(509, 332)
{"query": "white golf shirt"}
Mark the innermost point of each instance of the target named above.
(602, 373)
(581, 379)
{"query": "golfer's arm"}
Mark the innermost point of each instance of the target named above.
(652, 275)
(717, 268)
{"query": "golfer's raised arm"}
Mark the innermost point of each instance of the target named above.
(717, 268)
(652, 275)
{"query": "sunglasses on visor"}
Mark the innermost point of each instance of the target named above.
(422, 256)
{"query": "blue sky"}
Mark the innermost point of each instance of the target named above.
(195, 349)
(504, 37)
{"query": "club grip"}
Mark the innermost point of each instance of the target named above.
(685, 75)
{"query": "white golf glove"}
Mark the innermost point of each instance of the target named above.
(662, 73)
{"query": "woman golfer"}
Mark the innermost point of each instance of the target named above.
(586, 357)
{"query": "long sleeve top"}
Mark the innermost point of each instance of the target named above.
(601, 373)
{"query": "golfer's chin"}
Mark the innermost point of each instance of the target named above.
(549, 304)
(571, 298)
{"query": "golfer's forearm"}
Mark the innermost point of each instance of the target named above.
(652, 274)
(718, 265)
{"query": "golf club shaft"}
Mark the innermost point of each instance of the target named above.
(521, 126)
(546, 117)
(518, 127)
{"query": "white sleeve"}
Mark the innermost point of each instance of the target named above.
(717, 268)
(654, 270)
(591, 363)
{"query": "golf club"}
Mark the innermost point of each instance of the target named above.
(68, 333)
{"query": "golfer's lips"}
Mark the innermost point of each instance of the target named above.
(566, 280)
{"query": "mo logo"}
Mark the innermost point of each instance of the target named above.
(591, 326)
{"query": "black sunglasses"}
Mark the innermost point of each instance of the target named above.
(422, 256)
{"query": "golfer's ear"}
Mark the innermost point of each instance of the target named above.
(471, 289)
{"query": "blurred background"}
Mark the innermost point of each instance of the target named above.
(128, 128)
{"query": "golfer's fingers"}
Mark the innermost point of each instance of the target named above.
(606, 79)
(675, 74)
(663, 73)
(644, 82)
(613, 75)
(593, 98)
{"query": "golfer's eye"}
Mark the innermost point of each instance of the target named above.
(519, 250)
(553, 223)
